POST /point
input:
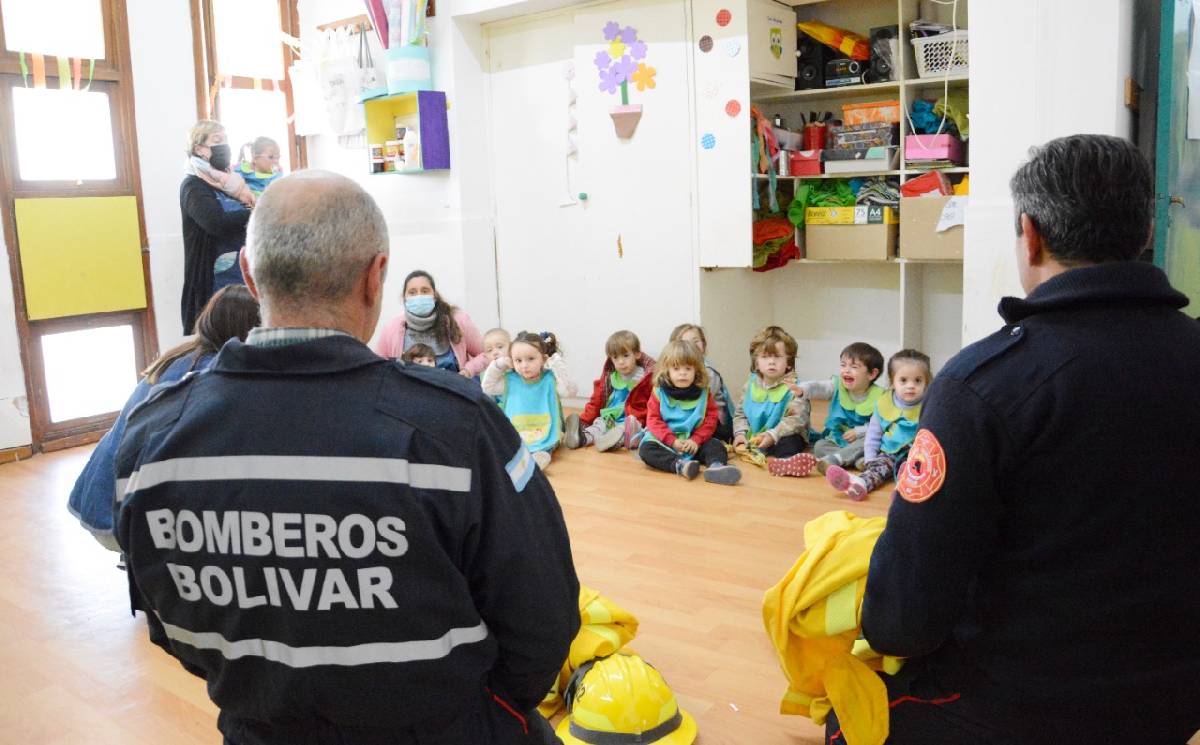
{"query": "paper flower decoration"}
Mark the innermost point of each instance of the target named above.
(620, 61)
(643, 77)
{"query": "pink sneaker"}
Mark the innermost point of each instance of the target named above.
(633, 433)
(839, 478)
(800, 464)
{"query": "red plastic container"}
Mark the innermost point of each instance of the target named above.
(805, 163)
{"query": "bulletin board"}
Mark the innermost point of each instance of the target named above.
(80, 255)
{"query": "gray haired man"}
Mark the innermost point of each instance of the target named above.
(346, 548)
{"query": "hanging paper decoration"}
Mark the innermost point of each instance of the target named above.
(620, 63)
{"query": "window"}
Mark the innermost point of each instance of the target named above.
(88, 371)
(67, 128)
(241, 71)
(66, 28)
(63, 135)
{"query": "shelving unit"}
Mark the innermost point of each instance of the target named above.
(918, 306)
(424, 110)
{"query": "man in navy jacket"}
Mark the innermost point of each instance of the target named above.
(346, 548)
(1041, 555)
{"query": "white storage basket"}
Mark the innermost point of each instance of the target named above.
(936, 54)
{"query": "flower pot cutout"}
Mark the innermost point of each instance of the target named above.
(625, 119)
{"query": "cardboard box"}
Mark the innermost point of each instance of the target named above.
(863, 233)
(919, 222)
(861, 161)
(861, 136)
(805, 163)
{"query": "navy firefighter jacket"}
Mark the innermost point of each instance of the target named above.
(339, 543)
(1043, 545)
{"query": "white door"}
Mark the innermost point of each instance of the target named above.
(624, 257)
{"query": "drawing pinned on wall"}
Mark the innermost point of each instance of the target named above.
(622, 62)
(706, 43)
(724, 17)
(733, 108)
(708, 141)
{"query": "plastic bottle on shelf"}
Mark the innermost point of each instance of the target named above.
(412, 150)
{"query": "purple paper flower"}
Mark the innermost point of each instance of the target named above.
(611, 29)
(624, 67)
(629, 34)
(610, 80)
(603, 60)
(638, 49)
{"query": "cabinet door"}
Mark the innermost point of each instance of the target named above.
(1177, 160)
(625, 256)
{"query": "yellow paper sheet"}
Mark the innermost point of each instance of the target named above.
(80, 255)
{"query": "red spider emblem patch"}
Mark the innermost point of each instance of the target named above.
(925, 470)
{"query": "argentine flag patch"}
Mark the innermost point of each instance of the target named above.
(520, 468)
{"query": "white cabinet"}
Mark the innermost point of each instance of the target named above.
(772, 32)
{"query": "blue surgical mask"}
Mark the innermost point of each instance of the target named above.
(419, 305)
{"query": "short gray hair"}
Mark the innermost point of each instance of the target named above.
(311, 245)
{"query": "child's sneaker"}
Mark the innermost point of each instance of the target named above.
(689, 469)
(542, 458)
(573, 434)
(852, 486)
(800, 464)
(723, 474)
(612, 437)
(633, 433)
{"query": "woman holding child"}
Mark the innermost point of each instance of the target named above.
(215, 203)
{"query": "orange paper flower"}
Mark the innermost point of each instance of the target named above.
(644, 77)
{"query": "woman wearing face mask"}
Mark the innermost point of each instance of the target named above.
(428, 319)
(215, 204)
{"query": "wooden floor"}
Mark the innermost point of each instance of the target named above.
(690, 559)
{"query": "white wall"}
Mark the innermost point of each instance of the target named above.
(437, 221)
(164, 109)
(14, 410)
(1020, 100)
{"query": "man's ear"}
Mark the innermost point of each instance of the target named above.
(376, 274)
(244, 262)
(1031, 241)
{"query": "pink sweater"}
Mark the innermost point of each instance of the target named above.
(468, 351)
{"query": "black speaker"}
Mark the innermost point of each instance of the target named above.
(811, 56)
(885, 51)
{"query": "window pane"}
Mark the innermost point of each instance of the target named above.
(248, 114)
(65, 28)
(63, 135)
(247, 36)
(89, 371)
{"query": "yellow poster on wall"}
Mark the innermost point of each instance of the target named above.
(80, 255)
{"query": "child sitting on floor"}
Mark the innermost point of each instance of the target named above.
(681, 417)
(893, 426)
(771, 418)
(496, 343)
(259, 164)
(420, 354)
(616, 413)
(852, 394)
(529, 386)
(716, 384)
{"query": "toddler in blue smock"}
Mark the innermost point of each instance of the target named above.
(529, 385)
(259, 164)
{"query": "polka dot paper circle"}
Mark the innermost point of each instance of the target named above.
(706, 43)
(724, 17)
(732, 47)
(708, 141)
(733, 108)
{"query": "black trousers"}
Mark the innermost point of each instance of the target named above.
(657, 455)
(928, 708)
(787, 447)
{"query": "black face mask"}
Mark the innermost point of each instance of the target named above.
(219, 159)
